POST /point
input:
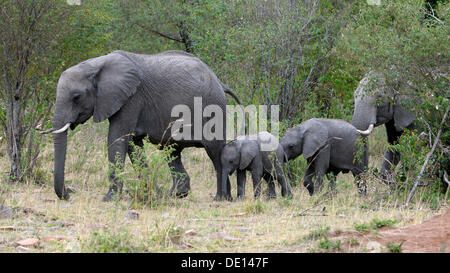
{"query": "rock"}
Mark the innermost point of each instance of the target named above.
(73, 247)
(5, 213)
(166, 215)
(71, 189)
(28, 242)
(57, 238)
(373, 247)
(220, 235)
(66, 224)
(65, 205)
(8, 228)
(132, 214)
(21, 248)
(244, 230)
(239, 214)
(191, 232)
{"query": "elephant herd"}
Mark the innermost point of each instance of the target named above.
(137, 92)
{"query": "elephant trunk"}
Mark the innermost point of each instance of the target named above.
(60, 147)
(364, 115)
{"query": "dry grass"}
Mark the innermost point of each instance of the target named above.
(89, 225)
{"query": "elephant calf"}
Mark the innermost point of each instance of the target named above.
(260, 154)
(330, 146)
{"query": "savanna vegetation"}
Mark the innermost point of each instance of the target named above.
(306, 56)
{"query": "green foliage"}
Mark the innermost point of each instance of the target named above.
(256, 207)
(373, 225)
(148, 180)
(297, 168)
(394, 247)
(317, 234)
(329, 245)
(414, 148)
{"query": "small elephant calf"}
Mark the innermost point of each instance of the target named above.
(330, 146)
(263, 156)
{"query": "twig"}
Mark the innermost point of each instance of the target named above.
(436, 140)
(205, 219)
(302, 213)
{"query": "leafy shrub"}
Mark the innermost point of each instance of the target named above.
(148, 180)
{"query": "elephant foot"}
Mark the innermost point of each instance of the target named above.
(182, 194)
(222, 198)
(271, 197)
(240, 198)
(110, 195)
(107, 197)
(64, 197)
(310, 189)
(288, 195)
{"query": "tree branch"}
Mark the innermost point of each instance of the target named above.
(419, 177)
(159, 33)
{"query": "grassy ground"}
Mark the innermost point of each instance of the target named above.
(193, 224)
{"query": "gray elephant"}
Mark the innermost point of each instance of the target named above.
(260, 154)
(330, 146)
(375, 104)
(137, 93)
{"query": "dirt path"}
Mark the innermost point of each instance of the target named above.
(430, 236)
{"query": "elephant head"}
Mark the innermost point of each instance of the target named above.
(237, 154)
(376, 104)
(98, 87)
(304, 139)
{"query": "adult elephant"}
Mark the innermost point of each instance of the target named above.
(137, 93)
(376, 103)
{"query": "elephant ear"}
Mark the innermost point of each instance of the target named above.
(117, 79)
(402, 117)
(249, 150)
(314, 137)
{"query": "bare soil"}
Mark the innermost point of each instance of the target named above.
(430, 236)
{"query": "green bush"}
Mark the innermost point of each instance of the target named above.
(147, 181)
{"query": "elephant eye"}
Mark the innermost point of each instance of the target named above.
(231, 161)
(76, 97)
(291, 146)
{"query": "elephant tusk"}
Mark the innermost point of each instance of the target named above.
(63, 129)
(366, 132)
(45, 132)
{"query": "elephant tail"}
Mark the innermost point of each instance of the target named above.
(227, 90)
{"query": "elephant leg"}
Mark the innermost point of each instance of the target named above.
(213, 150)
(117, 150)
(308, 178)
(391, 158)
(240, 184)
(272, 194)
(321, 164)
(281, 178)
(181, 180)
(257, 174)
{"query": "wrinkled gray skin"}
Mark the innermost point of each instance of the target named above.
(136, 93)
(377, 104)
(330, 147)
(245, 154)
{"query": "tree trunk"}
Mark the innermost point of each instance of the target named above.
(13, 138)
